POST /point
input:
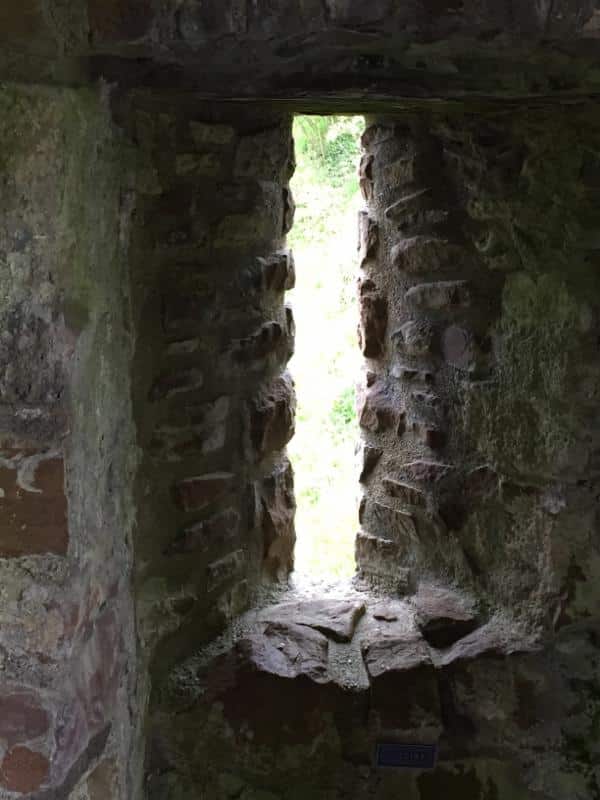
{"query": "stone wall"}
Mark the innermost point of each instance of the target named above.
(479, 327)
(67, 643)
(145, 408)
(479, 312)
(386, 50)
(213, 404)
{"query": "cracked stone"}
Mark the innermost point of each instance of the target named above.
(336, 619)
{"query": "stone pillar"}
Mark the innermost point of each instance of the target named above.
(213, 403)
(480, 320)
(67, 642)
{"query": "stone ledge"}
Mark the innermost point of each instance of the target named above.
(352, 641)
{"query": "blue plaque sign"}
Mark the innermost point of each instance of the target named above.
(409, 756)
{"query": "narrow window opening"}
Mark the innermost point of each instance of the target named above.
(327, 362)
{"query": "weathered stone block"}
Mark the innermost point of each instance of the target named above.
(99, 672)
(31, 368)
(416, 338)
(444, 616)
(289, 651)
(33, 504)
(171, 383)
(194, 494)
(279, 273)
(433, 437)
(23, 770)
(412, 374)
(442, 295)
(259, 344)
(425, 254)
(393, 524)
(396, 654)
(376, 409)
(482, 482)
(400, 171)
(335, 619)
(368, 232)
(183, 347)
(202, 430)
(214, 533)
(373, 324)
(426, 402)
(426, 471)
(235, 600)
(174, 223)
(290, 329)
(407, 494)
(22, 717)
(375, 135)
(225, 569)
(457, 347)
(365, 173)
(278, 510)
(410, 204)
(271, 416)
(289, 211)
(371, 456)
(376, 555)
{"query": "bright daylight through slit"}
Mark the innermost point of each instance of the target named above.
(327, 361)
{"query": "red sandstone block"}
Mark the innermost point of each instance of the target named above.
(23, 770)
(21, 717)
(33, 505)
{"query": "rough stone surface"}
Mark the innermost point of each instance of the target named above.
(33, 504)
(277, 510)
(288, 651)
(67, 445)
(373, 322)
(146, 497)
(212, 402)
(230, 48)
(444, 616)
(336, 620)
(194, 494)
(276, 685)
(23, 770)
(272, 416)
(465, 434)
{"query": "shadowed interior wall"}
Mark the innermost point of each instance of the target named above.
(67, 637)
(145, 495)
(480, 324)
(213, 405)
